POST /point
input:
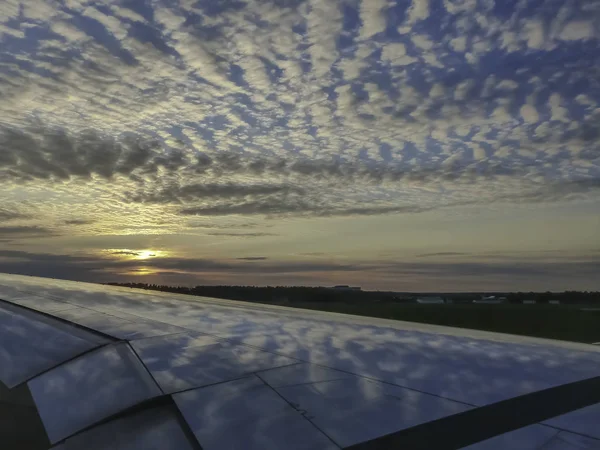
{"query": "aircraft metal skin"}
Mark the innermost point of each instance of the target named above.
(117, 368)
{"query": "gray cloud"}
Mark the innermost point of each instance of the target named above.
(6, 215)
(25, 231)
(53, 154)
(232, 183)
(433, 255)
(252, 258)
(224, 234)
(211, 226)
(277, 206)
(554, 191)
(78, 222)
(194, 192)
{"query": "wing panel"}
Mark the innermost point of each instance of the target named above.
(41, 304)
(189, 360)
(31, 344)
(355, 410)
(155, 428)
(537, 437)
(90, 388)
(532, 437)
(116, 324)
(301, 373)
(246, 414)
(585, 421)
(569, 441)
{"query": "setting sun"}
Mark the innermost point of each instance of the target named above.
(126, 253)
(146, 254)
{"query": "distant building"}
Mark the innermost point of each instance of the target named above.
(430, 300)
(344, 287)
(491, 300)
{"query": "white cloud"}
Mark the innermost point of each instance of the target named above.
(396, 55)
(77, 4)
(69, 31)
(529, 114)
(471, 58)
(577, 31)
(323, 27)
(9, 9)
(437, 91)
(461, 91)
(351, 67)
(459, 43)
(509, 85)
(533, 32)
(113, 25)
(9, 31)
(457, 6)
(543, 130)
(502, 115)
(509, 40)
(479, 153)
(255, 73)
(127, 13)
(557, 111)
(372, 15)
(42, 10)
(583, 99)
(418, 10)
(422, 41)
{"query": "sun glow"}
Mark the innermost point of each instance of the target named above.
(141, 255)
(146, 254)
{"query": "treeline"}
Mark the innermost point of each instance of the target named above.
(295, 294)
(567, 297)
(268, 294)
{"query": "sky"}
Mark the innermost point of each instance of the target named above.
(420, 145)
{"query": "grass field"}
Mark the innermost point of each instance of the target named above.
(565, 322)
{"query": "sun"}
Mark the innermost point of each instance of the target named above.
(146, 254)
(130, 254)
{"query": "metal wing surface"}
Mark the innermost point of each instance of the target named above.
(107, 367)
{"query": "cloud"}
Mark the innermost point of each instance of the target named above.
(316, 109)
(441, 254)
(253, 258)
(18, 231)
(577, 31)
(241, 235)
(279, 206)
(418, 10)
(150, 171)
(53, 154)
(372, 15)
(79, 222)
(8, 214)
(187, 193)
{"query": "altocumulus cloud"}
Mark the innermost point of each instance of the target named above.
(203, 109)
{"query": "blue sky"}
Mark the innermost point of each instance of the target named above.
(302, 142)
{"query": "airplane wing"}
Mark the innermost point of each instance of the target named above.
(102, 367)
